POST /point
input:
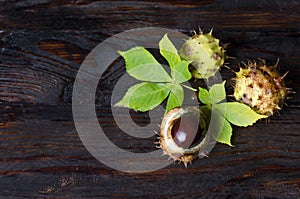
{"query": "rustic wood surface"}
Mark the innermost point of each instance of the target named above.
(42, 45)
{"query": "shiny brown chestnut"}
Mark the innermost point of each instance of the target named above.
(182, 133)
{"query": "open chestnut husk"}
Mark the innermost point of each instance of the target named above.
(183, 134)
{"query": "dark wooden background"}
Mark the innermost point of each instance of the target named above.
(42, 45)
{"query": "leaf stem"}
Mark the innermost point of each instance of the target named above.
(190, 88)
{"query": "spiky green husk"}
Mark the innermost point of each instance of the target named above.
(261, 87)
(206, 54)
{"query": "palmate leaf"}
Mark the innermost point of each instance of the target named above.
(175, 98)
(168, 51)
(158, 84)
(204, 96)
(229, 112)
(226, 133)
(144, 96)
(180, 72)
(141, 65)
(238, 114)
(179, 68)
(220, 128)
(124, 102)
(217, 93)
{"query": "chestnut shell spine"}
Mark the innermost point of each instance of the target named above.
(167, 143)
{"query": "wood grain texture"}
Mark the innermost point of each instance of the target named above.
(42, 45)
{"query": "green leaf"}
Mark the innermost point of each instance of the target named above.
(144, 96)
(141, 65)
(226, 133)
(203, 96)
(217, 93)
(219, 128)
(238, 114)
(176, 97)
(168, 51)
(124, 102)
(180, 72)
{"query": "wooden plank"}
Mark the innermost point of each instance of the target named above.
(41, 155)
(42, 45)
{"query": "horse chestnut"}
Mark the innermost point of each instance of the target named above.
(181, 133)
